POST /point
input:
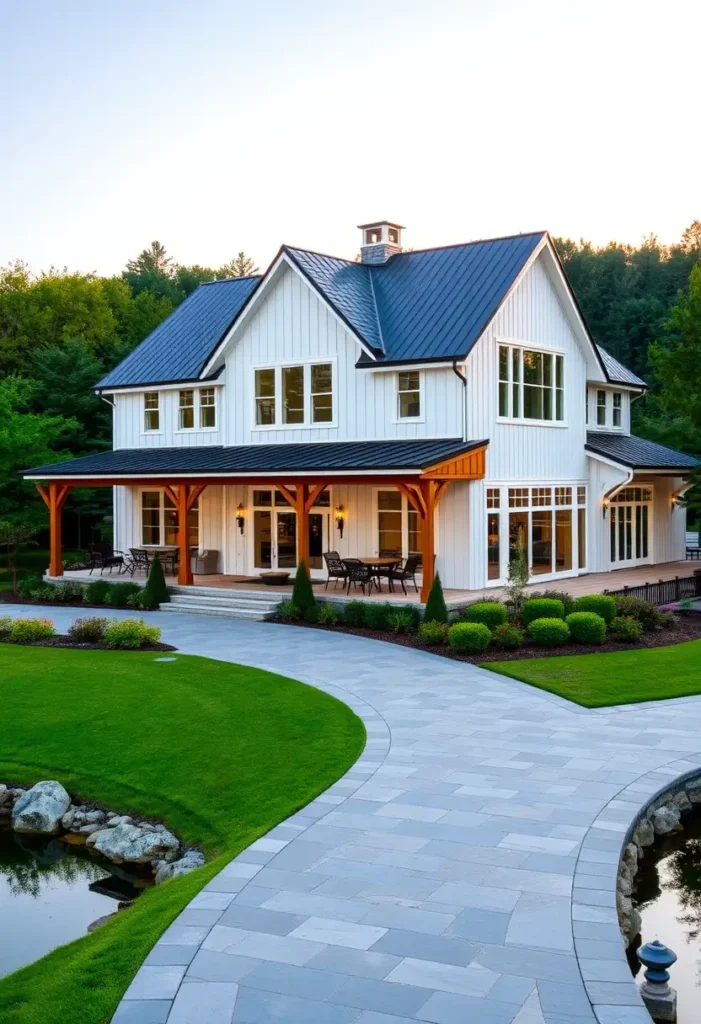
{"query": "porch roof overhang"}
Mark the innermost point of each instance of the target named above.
(435, 459)
(638, 454)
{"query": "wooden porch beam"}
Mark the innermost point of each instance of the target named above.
(44, 495)
(315, 491)
(429, 490)
(185, 578)
(172, 494)
(195, 493)
(288, 495)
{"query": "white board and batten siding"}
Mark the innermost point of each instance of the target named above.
(129, 420)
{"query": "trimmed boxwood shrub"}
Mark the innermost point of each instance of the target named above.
(88, 631)
(602, 604)
(556, 595)
(328, 615)
(489, 613)
(354, 613)
(436, 610)
(29, 630)
(289, 612)
(549, 632)
(433, 632)
(68, 590)
(375, 616)
(120, 593)
(586, 627)
(508, 637)
(626, 628)
(131, 633)
(542, 608)
(97, 592)
(469, 636)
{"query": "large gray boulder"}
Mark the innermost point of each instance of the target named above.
(41, 808)
(190, 861)
(665, 819)
(135, 845)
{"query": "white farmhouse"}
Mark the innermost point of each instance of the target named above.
(448, 402)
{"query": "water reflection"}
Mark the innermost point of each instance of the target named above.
(668, 889)
(50, 891)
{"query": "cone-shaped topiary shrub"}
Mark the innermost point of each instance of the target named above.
(155, 591)
(436, 610)
(302, 591)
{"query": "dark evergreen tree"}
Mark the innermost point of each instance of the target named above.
(156, 591)
(436, 610)
(302, 591)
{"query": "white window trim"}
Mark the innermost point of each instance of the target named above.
(250, 553)
(421, 418)
(613, 425)
(196, 429)
(648, 559)
(308, 424)
(605, 424)
(526, 346)
(159, 430)
(504, 510)
(161, 517)
(405, 523)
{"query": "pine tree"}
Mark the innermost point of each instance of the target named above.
(436, 610)
(302, 592)
(241, 266)
(156, 592)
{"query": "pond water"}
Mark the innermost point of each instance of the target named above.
(50, 891)
(668, 890)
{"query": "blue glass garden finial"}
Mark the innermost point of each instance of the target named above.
(656, 958)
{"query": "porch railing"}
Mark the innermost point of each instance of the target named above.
(664, 591)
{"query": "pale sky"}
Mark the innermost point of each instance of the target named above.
(218, 125)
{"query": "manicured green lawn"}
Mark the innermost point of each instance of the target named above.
(218, 752)
(621, 677)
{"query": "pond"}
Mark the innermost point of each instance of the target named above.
(51, 890)
(668, 891)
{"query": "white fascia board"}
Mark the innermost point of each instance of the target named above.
(612, 385)
(402, 367)
(259, 296)
(609, 462)
(137, 389)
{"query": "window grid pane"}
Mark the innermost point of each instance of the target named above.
(293, 394)
(617, 409)
(409, 395)
(187, 409)
(322, 398)
(541, 496)
(493, 497)
(265, 397)
(601, 408)
(581, 495)
(563, 495)
(518, 497)
(493, 569)
(207, 408)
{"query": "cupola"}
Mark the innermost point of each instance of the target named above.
(381, 239)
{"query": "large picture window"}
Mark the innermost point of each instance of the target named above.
(398, 526)
(306, 392)
(542, 522)
(531, 385)
(159, 521)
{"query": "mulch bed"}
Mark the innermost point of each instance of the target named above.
(687, 627)
(8, 598)
(65, 641)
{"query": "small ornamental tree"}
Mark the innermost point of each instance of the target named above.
(302, 592)
(436, 610)
(13, 536)
(519, 574)
(156, 591)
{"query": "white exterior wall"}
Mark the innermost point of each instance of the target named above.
(129, 421)
(608, 427)
(127, 512)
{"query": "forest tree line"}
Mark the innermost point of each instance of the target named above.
(60, 332)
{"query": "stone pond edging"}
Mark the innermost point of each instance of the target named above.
(604, 919)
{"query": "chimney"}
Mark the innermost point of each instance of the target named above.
(381, 239)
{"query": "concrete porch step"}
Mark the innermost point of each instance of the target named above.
(266, 595)
(235, 604)
(259, 614)
(220, 601)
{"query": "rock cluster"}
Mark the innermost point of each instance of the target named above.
(47, 809)
(661, 817)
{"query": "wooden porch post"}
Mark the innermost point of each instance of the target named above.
(428, 494)
(54, 500)
(184, 497)
(303, 525)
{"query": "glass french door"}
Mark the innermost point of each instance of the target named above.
(629, 534)
(275, 533)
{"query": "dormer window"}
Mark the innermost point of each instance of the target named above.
(601, 408)
(617, 409)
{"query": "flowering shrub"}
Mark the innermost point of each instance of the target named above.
(29, 630)
(88, 631)
(433, 632)
(626, 628)
(508, 637)
(131, 633)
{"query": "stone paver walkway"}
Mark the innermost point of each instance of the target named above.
(462, 871)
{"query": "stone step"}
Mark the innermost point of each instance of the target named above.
(221, 601)
(222, 611)
(264, 594)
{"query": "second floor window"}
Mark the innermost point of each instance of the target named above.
(306, 393)
(152, 412)
(197, 408)
(601, 408)
(208, 409)
(187, 410)
(531, 385)
(408, 395)
(617, 409)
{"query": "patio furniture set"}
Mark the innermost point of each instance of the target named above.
(139, 560)
(370, 572)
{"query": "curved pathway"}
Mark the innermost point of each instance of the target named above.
(462, 871)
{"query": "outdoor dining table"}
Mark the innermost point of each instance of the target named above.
(376, 563)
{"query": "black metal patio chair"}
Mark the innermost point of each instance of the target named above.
(334, 569)
(359, 574)
(407, 572)
(139, 561)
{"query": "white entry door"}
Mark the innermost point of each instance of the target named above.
(630, 532)
(275, 533)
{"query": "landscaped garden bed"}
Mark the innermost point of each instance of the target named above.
(95, 634)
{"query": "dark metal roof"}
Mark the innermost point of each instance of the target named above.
(616, 372)
(262, 458)
(179, 347)
(638, 453)
(427, 305)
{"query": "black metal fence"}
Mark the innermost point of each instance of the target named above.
(664, 591)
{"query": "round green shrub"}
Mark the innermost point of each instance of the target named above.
(555, 595)
(131, 633)
(508, 637)
(328, 615)
(626, 628)
(586, 627)
(542, 608)
(120, 593)
(29, 630)
(88, 631)
(402, 620)
(635, 608)
(665, 620)
(602, 604)
(489, 613)
(97, 592)
(469, 636)
(433, 632)
(549, 632)
(289, 612)
(376, 615)
(68, 590)
(30, 586)
(354, 613)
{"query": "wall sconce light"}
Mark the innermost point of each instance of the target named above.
(240, 520)
(340, 518)
(675, 501)
(604, 506)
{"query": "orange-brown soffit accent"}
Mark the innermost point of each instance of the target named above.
(470, 466)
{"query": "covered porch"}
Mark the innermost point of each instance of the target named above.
(281, 488)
